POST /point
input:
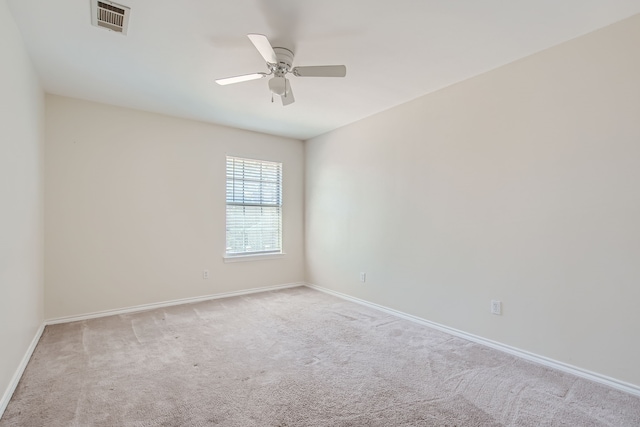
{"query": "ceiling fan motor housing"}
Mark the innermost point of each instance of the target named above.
(285, 59)
(278, 84)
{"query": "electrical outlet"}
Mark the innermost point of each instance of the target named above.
(496, 307)
(363, 277)
(205, 274)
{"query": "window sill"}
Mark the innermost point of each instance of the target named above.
(254, 257)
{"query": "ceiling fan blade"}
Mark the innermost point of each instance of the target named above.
(287, 98)
(264, 47)
(242, 78)
(321, 71)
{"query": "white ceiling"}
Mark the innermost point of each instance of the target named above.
(394, 51)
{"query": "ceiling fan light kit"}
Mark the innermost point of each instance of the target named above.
(279, 62)
(278, 85)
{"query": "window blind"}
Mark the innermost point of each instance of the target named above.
(254, 206)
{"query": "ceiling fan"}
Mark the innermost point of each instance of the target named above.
(279, 60)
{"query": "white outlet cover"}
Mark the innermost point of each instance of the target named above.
(496, 307)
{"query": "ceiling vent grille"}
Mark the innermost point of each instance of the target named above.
(109, 15)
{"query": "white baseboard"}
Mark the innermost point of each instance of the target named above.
(6, 397)
(532, 357)
(145, 307)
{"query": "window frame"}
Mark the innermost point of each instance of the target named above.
(263, 254)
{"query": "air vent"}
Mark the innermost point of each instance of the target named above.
(109, 15)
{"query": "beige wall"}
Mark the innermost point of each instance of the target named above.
(135, 208)
(21, 199)
(519, 185)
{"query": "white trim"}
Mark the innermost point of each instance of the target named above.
(151, 306)
(532, 357)
(11, 388)
(252, 257)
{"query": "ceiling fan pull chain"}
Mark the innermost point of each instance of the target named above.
(272, 97)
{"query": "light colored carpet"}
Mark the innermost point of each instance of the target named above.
(295, 357)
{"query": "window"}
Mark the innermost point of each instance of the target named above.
(254, 207)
